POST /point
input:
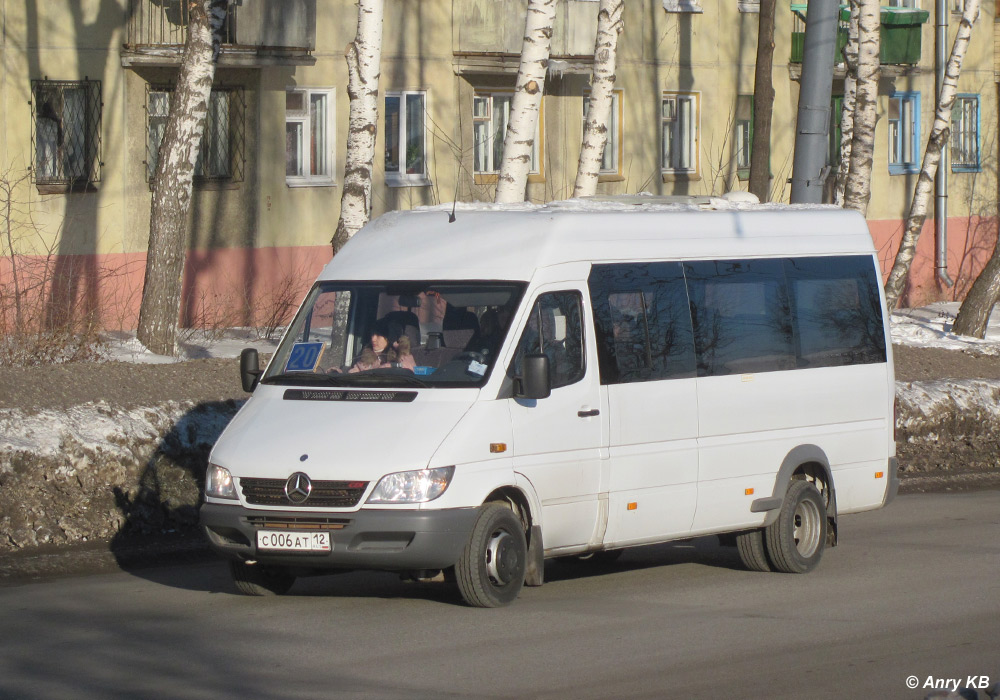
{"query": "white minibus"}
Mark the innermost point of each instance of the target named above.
(475, 391)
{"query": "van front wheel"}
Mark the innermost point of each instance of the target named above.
(795, 540)
(490, 572)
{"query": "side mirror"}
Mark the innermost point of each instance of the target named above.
(535, 381)
(249, 369)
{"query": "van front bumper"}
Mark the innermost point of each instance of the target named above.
(391, 540)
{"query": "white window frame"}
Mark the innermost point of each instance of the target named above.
(304, 119)
(615, 133)
(743, 135)
(683, 130)
(965, 133)
(400, 178)
(692, 6)
(486, 97)
(904, 134)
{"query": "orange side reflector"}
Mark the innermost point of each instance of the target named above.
(633, 506)
(498, 447)
(879, 475)
(748, 492)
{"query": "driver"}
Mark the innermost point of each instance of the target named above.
(385, 349)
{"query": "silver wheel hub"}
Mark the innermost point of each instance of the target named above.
(501, 558)
(806, 528)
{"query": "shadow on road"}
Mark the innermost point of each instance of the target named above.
(212, 575)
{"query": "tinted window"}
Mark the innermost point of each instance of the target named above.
(643, 322)
(837, 311)
(555, 328)
(741, 316)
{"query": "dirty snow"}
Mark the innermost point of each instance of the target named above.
(97, 426)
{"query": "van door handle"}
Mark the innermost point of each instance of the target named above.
(588, 412)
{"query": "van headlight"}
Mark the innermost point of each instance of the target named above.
(219, 482)
(412, 487)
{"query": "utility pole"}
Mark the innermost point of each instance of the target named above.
(815, 86)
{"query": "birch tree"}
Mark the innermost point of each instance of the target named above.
(858, 186)
(847, 106)
(602, 84)
(363, 56)
(520, 137)
(763, 104)
(174, 177)
(937, 140)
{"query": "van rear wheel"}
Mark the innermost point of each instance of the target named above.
(260, 580)
(796, 539)
(490, 572)
(750, 546)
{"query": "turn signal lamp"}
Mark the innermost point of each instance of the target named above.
(748, 492)
(498, 447)
(879, 475)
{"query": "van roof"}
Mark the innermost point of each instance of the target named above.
(509, 242)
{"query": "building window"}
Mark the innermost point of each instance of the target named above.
(611, 158)
(904, 133)
(836, 130)
(66, 132)
(405, 139)
(309, 137)
(490, 114)
(965, 134)
(693, 6)
(221, 157)
(744, 135)
(679, 119)
(911, 4)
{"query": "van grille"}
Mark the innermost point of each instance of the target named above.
(293, 523)
(325, 494)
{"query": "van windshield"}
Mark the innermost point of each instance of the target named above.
(434, 334)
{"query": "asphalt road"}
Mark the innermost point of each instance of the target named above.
(913, 590)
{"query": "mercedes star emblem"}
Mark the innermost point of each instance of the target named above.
(298, 487)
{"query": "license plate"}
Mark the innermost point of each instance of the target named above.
(294, 541)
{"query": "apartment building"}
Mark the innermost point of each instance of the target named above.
(86, 86)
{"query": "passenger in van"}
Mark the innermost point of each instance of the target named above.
(491, 329)
(383, 350)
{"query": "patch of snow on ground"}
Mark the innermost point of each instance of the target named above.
(191, 345)
(930, 327)
(97, 426)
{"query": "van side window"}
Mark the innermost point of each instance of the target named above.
(741, 316)
(643, 322)
(837, 311)
(555, 328)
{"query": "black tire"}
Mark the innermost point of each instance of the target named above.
(750, 546)
(260, 580)
(490, 571)
(796, 539)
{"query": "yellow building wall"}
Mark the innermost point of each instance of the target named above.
(249, 237)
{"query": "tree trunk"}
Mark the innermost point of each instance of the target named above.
(848, 106)
(974, 314)
(520, 137)
(363, 56)
(937, 140)
(763, 104)
(857, 189)
(172, 182)
(602, 85)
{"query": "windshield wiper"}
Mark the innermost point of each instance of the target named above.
(305, 377)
